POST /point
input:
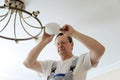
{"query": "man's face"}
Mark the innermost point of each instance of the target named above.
(63, 45)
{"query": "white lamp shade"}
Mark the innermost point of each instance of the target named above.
(52, 28)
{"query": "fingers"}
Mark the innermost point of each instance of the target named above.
(47, 35)
(64, 28)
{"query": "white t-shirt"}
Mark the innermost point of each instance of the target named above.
(80, 72)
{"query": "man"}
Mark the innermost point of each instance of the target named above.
(70, 67)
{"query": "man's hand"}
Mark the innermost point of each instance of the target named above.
(67, 30)
(47, 37)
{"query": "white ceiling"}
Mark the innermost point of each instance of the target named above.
(99, 19)
(109, 75)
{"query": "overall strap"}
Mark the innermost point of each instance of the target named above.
(69, 74)
(74, 62)
(54, 66)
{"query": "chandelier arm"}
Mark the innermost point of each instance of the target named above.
(24, 28)
(4, 16)
(28, 14)
(15, 24)
(26, 17)
(17, 39)
(6, 23)
(42, 27)
(35, 37)
(30, 24)
(22, 10)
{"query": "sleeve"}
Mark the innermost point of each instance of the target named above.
(45, 67)
(87, 62)
(84, 62)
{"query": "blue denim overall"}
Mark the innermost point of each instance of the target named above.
(66, 76)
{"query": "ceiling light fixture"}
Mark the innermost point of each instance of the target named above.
(18, 23)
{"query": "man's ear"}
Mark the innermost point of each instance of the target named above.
(72, 45)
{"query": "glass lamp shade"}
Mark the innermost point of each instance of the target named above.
(52, 28)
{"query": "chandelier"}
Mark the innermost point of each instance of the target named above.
(17, 23)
